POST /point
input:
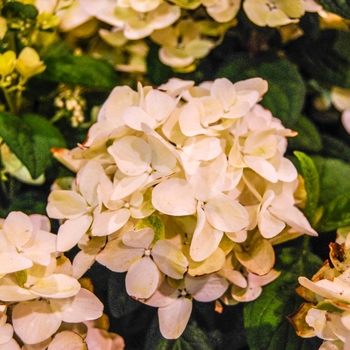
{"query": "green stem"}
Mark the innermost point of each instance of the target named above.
(10, 102)
(306, 242)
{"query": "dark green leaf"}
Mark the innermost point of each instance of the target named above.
(265, 318)
(120, 303)
(340, 7)
(79, 70)
(285, 97)
(16, 8)
(336, 214)
(312, 185)
(30, 138)
(334, 174)
(326, 59)
(308, 138)
(335, 148)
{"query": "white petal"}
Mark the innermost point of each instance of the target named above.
(56, 286)
(262, 167)
(10, 291)
(139, 239)
(128, 185)
(224, 91)
(190, 119)
(163, 296)
(169, 259)
(142, 278)
(108, 222)
(13, 261)
(202, 147)
(35, 321)
(226, 214)
(173, 318)
(71, 231)
(174, 197)
(18, 228)
(67, 340)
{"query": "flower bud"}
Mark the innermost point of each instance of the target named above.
(28, 63)
(7, 62)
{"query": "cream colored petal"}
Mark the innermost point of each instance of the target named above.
(67, 340)
(35, 321)
(11, 345)
(6, 333)
(174, 197)
(212, 263)
(10, 291)
(127, 185)
(169, 259)
(139, 238)
(202, 147)
(142, 278)
(190, 119)
(173, 318)
(263, 167)
(226, 214)
(65, 205)
(224, 91)
(317, 319)
(71, 231)
(163, 296)
(108, 222)
(18, 228)
(13, 261)
(56, 286)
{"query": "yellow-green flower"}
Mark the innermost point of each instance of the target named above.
(7, 62)
(29, 64)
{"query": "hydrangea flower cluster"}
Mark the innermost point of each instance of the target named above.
(186, 30)
(37, 291)
(185, 188)
(326, 314)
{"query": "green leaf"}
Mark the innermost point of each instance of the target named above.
(336, 214)
(79, 70)
(308, 138)
(16, 8)
(326, 59)
(265, 318)
(340, 7)
(30, 138)
(333, 174)
(286, 94)
(120, 303)
(335, 148)
(312, 185)
(154, 222)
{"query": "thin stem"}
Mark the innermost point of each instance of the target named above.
(10, 103)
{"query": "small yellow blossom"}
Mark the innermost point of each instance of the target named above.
(28, 63)
(7, 63)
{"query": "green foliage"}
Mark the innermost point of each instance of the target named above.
(79, 70)
(340, 7)
(17, 8)
(154, 222)
(312, 185)
(286, 93)
(325, 59)
(265, 318)
(30, 138)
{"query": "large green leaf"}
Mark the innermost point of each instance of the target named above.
(79, 70)
(336, 214)
(265, 318)
(326, 59)
(335, 148)
(340, 7)
(31, 138)
(312, 185)
(285, 97)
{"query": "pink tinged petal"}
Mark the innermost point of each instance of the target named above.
(127, 185)
(132, 155)
(71, 231)
(42, 241)
(190, 119)
(345, 119)
(174, 197)
(235, 277)
(163, 296)
(18, 228)
(84, 306)
(67, 340)
(262, 167)
(118, 257)
(269, 225)
(35, 321)
(205, 238)
(202, 147)
(209, 179)
(169, 259)
(56, 286)
(245, 294)
(293, 217)
(13, 261)
(226, 214)
(139, 239)
(212, 263)
(65, 205)
(108, 222)
(206, 288)
(142, 278)
(11, 345)
(6, 333)
(40, 222)
(10, 291)
(81, 263)
(173, 318)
